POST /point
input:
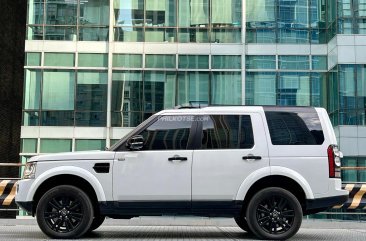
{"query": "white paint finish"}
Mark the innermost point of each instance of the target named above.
(332, 43)
(92, 46)
(161, 48)
(360, 39)
(261, 49)
(194, 48)
(90, 132)
(29, 132)
(361, 142)
(73, 156)
(346, 55)
(56, 132)
(128, 48)
(345, 40)
(332, 58)
(349, 146)
(293, 49)
(361, 131)
(119, 132)
(319, 49)
(59, 46)
(218, 174)
(148, 175)
(348, 131)
(232, 49)
(33, 45)
(360, 54)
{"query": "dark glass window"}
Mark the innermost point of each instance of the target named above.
(227, 132)
(296, 127)
(168, 133)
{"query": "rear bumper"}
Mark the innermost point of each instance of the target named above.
(320, 204)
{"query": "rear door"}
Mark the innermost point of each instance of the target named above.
(229, 152)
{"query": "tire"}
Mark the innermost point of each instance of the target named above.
(274, 213)
(97, 221)
(242, 223)
(64, 212)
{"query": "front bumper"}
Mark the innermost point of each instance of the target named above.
(320, 204)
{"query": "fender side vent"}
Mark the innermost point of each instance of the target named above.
(101, 167)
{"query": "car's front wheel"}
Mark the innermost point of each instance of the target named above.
(274, 213)
(65, 212)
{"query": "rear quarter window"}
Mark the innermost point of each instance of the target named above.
(294, 127)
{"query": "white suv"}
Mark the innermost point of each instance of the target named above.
(264, 166)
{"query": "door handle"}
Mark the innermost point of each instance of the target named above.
(252, 157)
(177, 158)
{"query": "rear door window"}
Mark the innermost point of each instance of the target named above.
(227, 132)
(294, 126)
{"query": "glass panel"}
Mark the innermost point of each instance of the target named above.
(261, 62)
(293, 89)
(193, 13)
(160, 13)
(58, 90)
(168, 133)
(362, 163)
(260, 35)
(226, 61)
(29, 146)
(60, 33)
(127, 60)
(33, 59)
(345, 8)
(35, 12)
(227, 132)
(347, 87)
(320, 62)
(32, 89)
(159, 90)
(260, 88)
(57, 118)
(317, 13)
(127, 91)
(226, 13)
(226, 88)
(294, 62)
(126, 119)
(113, 141)
(91, 90)
(193, 35)
(220, 35)
(30, 118)
(34, 33)
(361, 86)
(318, 36)
(193, 62)
(360, 8)
(94, 12)
(59, 59)
(93, 60)
(97, 119)
(160, 35)
(128, 12)
(159, 61)
(260, 13)
(193, 87)
(126, 34)
(362, 26)
(293, 14)
(61, 12)
(319, 89)
(345, 26)
(85, 145)
(349, 175)
(295, 36)
(93, 34)
(55, 145)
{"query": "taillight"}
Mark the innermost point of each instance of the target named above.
(334, 161)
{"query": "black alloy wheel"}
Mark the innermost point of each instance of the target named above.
(64, 212)
(274, 213)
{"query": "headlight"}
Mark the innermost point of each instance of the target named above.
(29, 170)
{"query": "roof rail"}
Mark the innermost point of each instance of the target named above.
(193, 105)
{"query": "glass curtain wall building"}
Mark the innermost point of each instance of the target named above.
(96, 68)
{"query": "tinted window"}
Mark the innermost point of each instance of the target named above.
(168, 133)
(227, 132)
(294, 128)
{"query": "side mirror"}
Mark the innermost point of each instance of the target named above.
(135, 143)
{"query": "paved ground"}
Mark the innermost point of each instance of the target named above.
(185, 229)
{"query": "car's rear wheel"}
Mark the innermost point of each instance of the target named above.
(65, 212)
(242, 223)
(274, 213)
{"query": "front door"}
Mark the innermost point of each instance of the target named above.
(157, 178)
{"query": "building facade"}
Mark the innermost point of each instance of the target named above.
(96, 68)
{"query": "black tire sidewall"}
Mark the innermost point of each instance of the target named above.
(252, 209)
(87, 207)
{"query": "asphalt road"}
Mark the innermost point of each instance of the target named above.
(185, 229)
